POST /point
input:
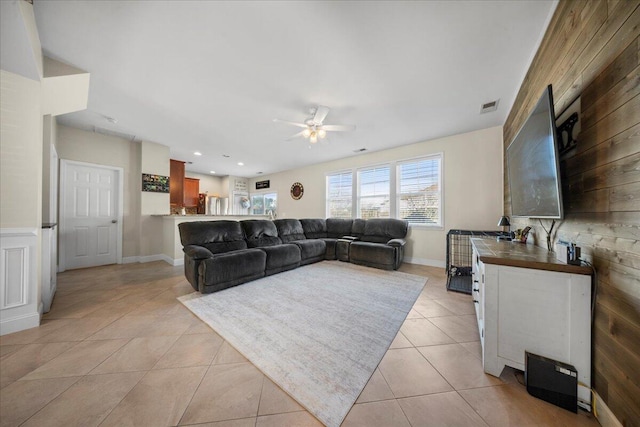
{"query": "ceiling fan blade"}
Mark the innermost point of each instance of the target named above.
(321, 114)
(300, 125)
(339, 128)
(295, 136)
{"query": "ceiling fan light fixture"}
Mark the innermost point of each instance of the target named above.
(322, 133)
(306, 133)
(313, 138)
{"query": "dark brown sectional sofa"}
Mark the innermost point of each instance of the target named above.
(221, 254)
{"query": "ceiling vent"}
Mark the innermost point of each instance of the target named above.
(489, 106)
(114, 133)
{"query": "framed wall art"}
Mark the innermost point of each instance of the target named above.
(155, 183)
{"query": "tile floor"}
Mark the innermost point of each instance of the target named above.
(118, 349)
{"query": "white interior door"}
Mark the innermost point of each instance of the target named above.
(90, 215)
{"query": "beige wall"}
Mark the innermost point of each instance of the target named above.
(472, 187)
(142, 233)
(20, 152)
(49, 143)
(90, 147)
(210, 184)
(154, 159)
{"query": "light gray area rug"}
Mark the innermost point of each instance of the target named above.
(318, 331)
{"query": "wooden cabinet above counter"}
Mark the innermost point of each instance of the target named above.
(191, 190)
(184, 191)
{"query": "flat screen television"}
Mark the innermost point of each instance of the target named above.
(533, 167)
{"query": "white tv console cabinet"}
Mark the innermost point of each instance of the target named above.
(525, 299)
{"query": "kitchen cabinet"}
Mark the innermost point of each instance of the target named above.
(176, 183)
(191, 191)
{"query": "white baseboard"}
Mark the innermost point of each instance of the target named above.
(19, 323)
(605, 416)
(153, 258)
(425, 261)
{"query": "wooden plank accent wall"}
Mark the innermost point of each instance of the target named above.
(591, 50)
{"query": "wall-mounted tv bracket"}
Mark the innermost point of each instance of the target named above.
(568, 143)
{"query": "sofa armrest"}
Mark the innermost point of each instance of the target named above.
(350, 238)
(396, 242)
(197, 252)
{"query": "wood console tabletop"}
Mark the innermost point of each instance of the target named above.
(516, 254)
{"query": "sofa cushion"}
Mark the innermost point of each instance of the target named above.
(357, 230)
(338, 227)
(260, 233)
(229, 269)
(330, 252)
(281, 257)
(216, 236)
(381, 230)
(311, 250)
(314, 228)
(289, 230)
(373, 255)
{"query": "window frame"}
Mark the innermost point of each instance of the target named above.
(262, 193)
(394, 188)
(326, 198)
(440, 157)
(357, 180)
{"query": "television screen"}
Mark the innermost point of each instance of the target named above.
(533, 165)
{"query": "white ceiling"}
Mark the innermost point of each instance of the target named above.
(212, 76)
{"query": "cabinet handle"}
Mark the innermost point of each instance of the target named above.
(475, 301)
(475, 281)
(476, 290)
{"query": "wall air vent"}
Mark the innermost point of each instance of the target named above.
(489, 106)
(359, 150)
(114, 133)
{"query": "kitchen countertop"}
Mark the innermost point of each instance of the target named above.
(201, 216)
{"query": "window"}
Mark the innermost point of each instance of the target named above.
(339, 195)
(374, 193)
(264, 203)
(419, 191)
(407, 189)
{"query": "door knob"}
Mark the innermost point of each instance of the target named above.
(113, 221)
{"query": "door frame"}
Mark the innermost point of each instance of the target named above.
(64, 166)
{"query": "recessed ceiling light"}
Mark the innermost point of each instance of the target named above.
(240, 164)
(197, 153)
(212, 171)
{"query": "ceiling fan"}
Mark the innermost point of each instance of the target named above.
(314, 128)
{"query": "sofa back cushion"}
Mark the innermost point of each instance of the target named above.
(381, 230)
(338, 227)
(260, 233)
(314, 228)
(289, 230)
(357, 229)
(217, 236)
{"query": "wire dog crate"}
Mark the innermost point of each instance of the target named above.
(459, 257)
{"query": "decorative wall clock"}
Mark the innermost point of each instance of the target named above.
(297, 190)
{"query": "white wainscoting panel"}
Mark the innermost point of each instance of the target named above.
(18, 279)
